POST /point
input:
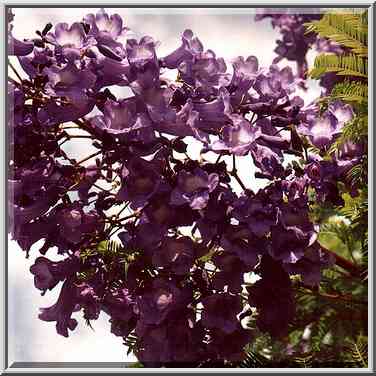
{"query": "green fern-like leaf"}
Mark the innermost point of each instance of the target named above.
(349, 30)
(344, 65)
(355, 131)
(304, 360)
(359, 352)
(109, 247)
(350, 91)
(254, 360)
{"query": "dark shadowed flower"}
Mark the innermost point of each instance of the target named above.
(230, 274)
(75, 105)
(141, 180)
(75, 224)
(229, 346)
(220, 311)
(194, 188)
(260, 215)
(90, 175)
(62, 310)
(311, 264)
(273, 297)
(175, 254)
(89, 301)
(160, 345)
(163, 300)
(240, 242)
(119, 304)
(288, 244)
(47, 273)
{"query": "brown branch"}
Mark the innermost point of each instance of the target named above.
(353, 269)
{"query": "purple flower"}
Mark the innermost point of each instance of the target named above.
(71, 41)
(267, 161)
(191, 46)
(75, 224)
(238, 138)
(198, 68)
(141, 180)
(275, 84)
(162, 300)
(64, 80)
(123, 120)
(220, 312)
(214, 114)
(245, 72)
(194, 188)
(288, 244)
(19, 48)
(109, 71)
(238, 240)
(160, 346)
(231, 272)
(102, 24)
(322, 130)
(47, 273)
(311, 264)
(62, 310)
(106, 30)
(259, 214)
(342, 112)
(119, 305)
(229, 346)
(175, 254)
(206, 73)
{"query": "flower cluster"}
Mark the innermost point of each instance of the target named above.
(176, 282)
(295, 42)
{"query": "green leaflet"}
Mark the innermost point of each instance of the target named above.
(347, 65)
(349, 30)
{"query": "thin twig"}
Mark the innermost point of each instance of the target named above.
(89, 157)
(219, 157)
(234, 173)
(15, 71)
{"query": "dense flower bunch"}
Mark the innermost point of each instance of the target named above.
(177, 281)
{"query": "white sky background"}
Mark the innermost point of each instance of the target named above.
(228, 35)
